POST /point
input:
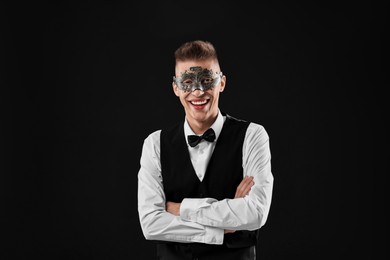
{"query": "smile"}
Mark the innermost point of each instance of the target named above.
(199, 103)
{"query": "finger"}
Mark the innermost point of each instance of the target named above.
(240, 186)
(244, 187)
(250, 187)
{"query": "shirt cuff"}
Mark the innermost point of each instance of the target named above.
(214, 235)
(189, 208)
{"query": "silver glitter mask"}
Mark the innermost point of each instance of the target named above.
(197, 78)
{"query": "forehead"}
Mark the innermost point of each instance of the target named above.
(182, 66)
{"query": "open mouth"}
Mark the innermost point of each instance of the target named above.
(199, 104)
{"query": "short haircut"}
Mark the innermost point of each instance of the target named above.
(196, 50)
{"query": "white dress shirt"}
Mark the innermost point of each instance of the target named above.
(204, 220)
(200, 155)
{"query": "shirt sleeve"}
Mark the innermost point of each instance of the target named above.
(156, 222)
(250, 212)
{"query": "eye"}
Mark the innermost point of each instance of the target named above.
(187, 82)
(207, 80)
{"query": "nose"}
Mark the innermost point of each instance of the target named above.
(197, 92)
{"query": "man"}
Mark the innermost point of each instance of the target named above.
(205, 184)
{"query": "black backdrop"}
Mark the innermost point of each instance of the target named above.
(86, 82)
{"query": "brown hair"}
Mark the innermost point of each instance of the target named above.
(196, 50)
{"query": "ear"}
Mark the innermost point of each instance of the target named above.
(175, 89)
(223, 84)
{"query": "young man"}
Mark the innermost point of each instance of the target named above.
(205, 184)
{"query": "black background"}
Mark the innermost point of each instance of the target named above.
(86, 82)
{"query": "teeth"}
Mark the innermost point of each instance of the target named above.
(199, 102)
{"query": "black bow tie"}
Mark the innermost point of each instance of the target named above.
(209, 135)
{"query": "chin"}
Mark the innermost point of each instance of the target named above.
(201, 115)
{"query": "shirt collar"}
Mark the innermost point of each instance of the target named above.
(216, 126)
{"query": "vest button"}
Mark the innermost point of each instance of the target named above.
(201, 195)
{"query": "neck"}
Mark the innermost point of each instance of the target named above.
(199, 127)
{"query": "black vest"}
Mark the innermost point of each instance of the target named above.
(223, 174)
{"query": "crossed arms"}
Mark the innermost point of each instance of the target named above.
(205, 220)
(242, 190)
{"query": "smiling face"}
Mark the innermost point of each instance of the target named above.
(198, 84)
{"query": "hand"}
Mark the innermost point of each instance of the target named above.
(244, 187)
(242, 190)
(173, 208)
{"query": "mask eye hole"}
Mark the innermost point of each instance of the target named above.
(187, 82)
(207, 80)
